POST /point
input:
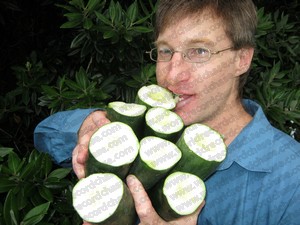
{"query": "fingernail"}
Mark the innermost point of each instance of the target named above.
(130, 179)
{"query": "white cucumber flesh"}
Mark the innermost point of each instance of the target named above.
(156, 96)
(103, 198)
(112, 148)
(128, 109)
(156, 157)
(203, 149)
(180, 194)
(163, 123)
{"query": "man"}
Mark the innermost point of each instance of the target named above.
(203, 51)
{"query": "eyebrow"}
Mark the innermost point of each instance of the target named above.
(190, 42)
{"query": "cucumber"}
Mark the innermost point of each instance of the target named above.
(156, 157)
(203, 149)
(156, 96)
(112, 148)
(163, 123)
(103, 198)
(130, 113)
(178, 195)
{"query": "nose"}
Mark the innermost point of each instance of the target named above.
(177, 69)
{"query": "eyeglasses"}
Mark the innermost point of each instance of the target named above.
(196, 55)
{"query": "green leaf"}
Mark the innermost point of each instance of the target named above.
(49, 90)
(103, 19)
(6, 184)
(5, 151)
(73, 85)
(132, 11)
(10, 209)
(28, 171)
(71, 24)
(55, 183)
(273, 73)
(140, 21)
(78, 40)
(87, 23)
(35, 215)
(46, 193)
(141, 29)
(78, 3)
(14, 162)
(109, 34)
(60, 173)
(74, 16)
(112, 11)
(92, 4)
(81, 78)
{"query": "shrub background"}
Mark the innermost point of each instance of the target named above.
(58, 55)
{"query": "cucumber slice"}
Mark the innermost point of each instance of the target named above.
(103, 198)
(203, 149)
(130, 113)
(156, 96)
(156, 157)
(180, 194)
(163, 123)
(112, 148)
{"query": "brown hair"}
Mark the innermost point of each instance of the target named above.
(238, 16)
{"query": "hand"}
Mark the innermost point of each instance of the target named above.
(145, 210)
(80, 153)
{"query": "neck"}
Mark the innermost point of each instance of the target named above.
(230, 121)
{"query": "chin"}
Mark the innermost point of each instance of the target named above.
(186, 116)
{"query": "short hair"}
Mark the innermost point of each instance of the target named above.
(239, 18)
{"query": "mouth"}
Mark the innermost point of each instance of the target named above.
(182, 99)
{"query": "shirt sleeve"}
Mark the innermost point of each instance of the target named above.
(57, 134)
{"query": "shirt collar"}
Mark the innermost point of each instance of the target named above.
(248, 148)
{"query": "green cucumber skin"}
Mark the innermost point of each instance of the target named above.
(173, 137)
(136, 123)
(160, 202)
(139, 101)
(125, 213)
(192, 163)
(93, 166)
(146, 175)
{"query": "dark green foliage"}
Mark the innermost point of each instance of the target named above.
(275, 77)
(34, 191)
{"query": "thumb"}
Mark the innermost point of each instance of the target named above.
(143, 205)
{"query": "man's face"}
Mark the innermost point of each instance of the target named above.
(204, 88)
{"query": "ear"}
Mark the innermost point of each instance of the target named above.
(244, 59)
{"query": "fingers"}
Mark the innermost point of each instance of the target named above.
(190, 219)
(143, 205)
(95, 120)
(87, 129)
(79, 157)
(147, 213)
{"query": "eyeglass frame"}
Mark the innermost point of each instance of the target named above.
(185, 56)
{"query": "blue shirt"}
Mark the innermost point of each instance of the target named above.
(259, 181)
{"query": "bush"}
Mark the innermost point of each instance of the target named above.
(34, 190)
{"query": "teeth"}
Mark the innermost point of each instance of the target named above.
(177, 97)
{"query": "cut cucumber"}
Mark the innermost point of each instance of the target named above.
(203, 149)
(163, 123)
(156, 157)
(180, 194)
(103, 199)
(130, 113)
(112, 148)
(156, 96)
